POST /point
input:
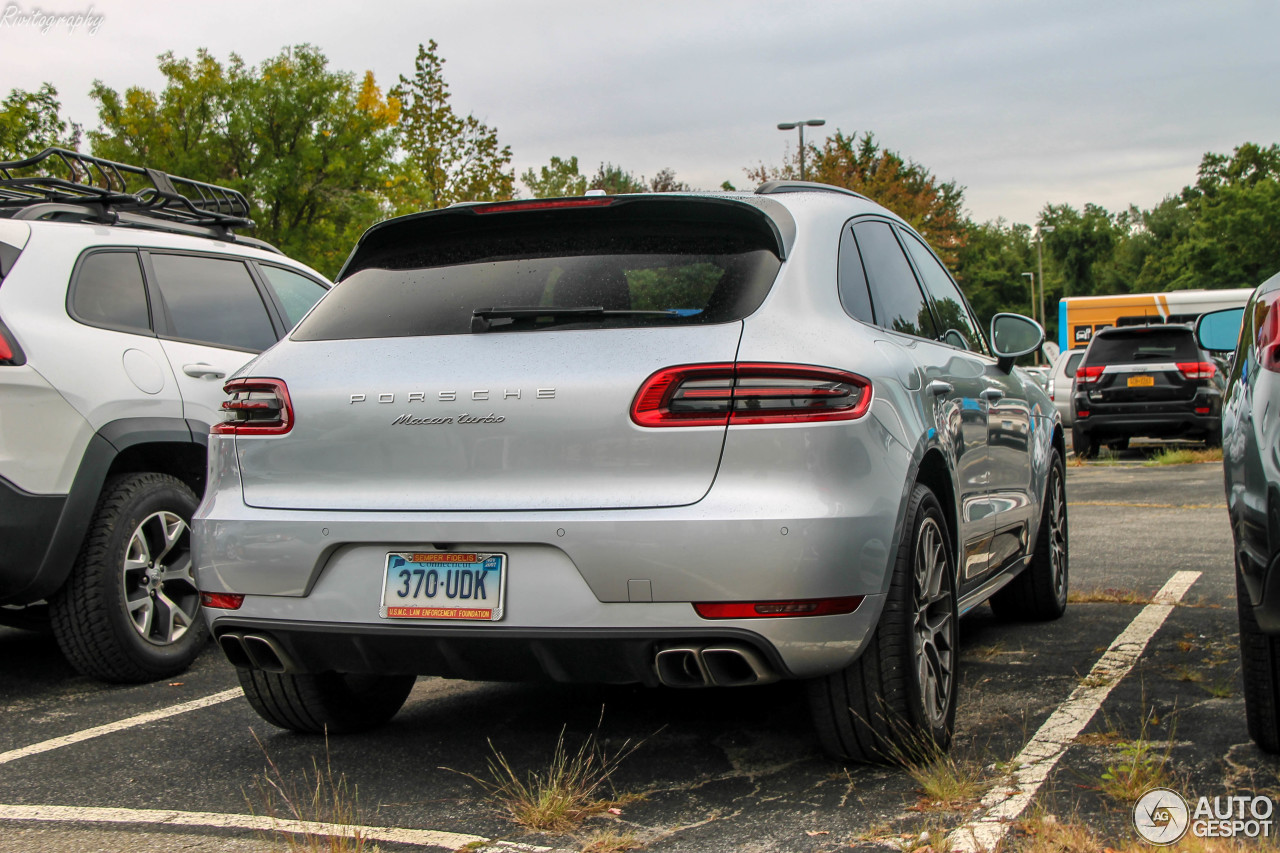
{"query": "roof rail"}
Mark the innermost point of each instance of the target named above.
(99, 189)
(772, 187)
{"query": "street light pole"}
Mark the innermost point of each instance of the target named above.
(791, 125)
(1041, 230)
(1032, 276)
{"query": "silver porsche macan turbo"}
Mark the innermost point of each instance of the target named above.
(674, 439)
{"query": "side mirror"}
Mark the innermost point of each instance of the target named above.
(1219, 331)
(1012, 336)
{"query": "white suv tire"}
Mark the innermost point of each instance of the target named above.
(129, 612)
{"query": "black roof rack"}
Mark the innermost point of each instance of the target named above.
(97, 189)
(772, 187)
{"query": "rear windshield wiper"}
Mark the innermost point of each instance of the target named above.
(551, 314)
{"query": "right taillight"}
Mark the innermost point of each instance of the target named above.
(256, 407)
(1197, 369)
(749, 393)
(1089, 375)
(11, 354)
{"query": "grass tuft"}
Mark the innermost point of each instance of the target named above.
(575, 785)
(610, 841)
(1107, 595)
(944, 781)
(1142, 765)
(313, 813)
(1184, 456)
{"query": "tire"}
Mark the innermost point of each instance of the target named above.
(1213, 438)
(129, 611)
(897, 700)
(1260, 668)
(1082, 444)
(1039, 594)
(330, 702)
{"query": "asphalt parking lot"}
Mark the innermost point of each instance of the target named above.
(1119, 681)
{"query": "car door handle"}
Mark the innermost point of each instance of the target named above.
(992, 394)
(201, 370)
(937, 388)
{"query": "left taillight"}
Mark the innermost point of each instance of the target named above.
(749, 393)
(1197, 369)
(256, 407)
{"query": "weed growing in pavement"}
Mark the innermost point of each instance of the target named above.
(1142, 765)
(945, 781)
(575, 785)
(1107, 595)
(1187, 675)
(610, 841)
(317, 813)
(1219, 689)
(1184, 456)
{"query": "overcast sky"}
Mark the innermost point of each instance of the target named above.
(1023, 103)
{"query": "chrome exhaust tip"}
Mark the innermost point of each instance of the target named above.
(681, 667)
(736, 666)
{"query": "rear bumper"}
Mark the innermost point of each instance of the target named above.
(791, 532)
(1120, 421)
(27, 525)
(600, 655)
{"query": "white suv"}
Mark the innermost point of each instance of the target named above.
(121, 314)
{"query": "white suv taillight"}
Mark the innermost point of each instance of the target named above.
(256, 407)
(10, 353)
(748, 393)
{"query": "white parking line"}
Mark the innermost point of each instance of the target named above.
(1038, 758)
(213, 820)
(119, 725)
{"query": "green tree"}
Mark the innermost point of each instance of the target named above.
(448, 158)
(1231, 215)
(310, 147)
(32, 121)
(1082, 243)
(558, 179)
(615, 180)
(934, 208)
(990, 266)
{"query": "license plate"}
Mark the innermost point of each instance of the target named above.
(444, 585)
(1141, 381)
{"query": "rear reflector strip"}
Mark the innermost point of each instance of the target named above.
(749, 393)
(776, 609)
(222, 600)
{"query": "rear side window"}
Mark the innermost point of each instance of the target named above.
(1143, 346)
(109, 291)
(1073, 362)
(213, 301)
(521, 271)
(296, 292)
(899, 304)
(852, 280)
